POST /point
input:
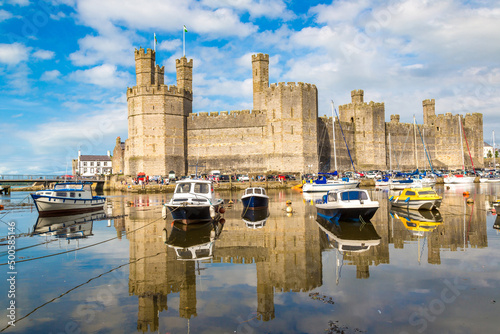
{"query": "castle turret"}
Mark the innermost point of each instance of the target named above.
(260, 70)
(357, 96)
(184, 73)
(145, 67)
(159, 75)
(429, 111)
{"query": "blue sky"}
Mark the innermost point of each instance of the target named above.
(65, 64)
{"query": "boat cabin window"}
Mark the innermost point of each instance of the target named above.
(410, 193)
(201, 188)
(257, 191)
(183, 188)
(71, 194)
(249, 191)
(427, 192)
(354, 195)
(332, 197)
(61, 194)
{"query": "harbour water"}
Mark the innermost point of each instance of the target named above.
(130, 271)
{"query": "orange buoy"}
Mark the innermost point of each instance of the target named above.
(1, 207)
(288, 203)
(222, 221)
(466, 193)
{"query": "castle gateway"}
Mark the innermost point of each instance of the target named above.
(282, 133)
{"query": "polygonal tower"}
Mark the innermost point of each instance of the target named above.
(157, 118)
(260, 71)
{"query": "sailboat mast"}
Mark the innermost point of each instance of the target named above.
(461, 143)
(333, 135)
(390, 154)
(494, 152)
(415, 140)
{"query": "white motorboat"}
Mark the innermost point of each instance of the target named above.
(324, 185)
(67, 198)
(458, 179)
(347, 205)
(194, 201)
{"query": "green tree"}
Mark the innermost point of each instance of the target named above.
(489, 154)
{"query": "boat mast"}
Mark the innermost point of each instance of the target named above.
(415, 140)
(390, 155)
(461, 142)
(333, 135)
(494, 152)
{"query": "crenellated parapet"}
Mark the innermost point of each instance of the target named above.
(225, 119)
(292, 87)
(159, 90)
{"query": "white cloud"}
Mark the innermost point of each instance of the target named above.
(5, 15)
(50, 75)
(44, 54)
(12, 54)
(105, 75)
(256, 8)
(166, 15)
(21, 3)
(169, 45)
(114, 48)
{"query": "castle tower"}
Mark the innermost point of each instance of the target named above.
(145, 67)
(184, 74)
(260, 72)
(429, 111)
(357, 96)
(157, 118)
(369, 131)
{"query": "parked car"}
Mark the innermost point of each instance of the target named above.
(244, 178)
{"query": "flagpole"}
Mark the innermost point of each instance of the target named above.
(183, 41)
(154, 42)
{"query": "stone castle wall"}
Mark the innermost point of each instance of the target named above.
(283, 133)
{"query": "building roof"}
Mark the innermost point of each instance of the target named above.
(486, 145)
(95, 158)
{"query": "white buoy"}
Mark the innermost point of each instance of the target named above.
(212, 212)
(289, 209)
(164, 212)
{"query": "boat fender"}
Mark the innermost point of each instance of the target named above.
(324, 199)
(164, 212)
(222, 210)
(407, 200)
(390, 199)
(212, 211)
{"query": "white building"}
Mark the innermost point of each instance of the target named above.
(487, 148)
(92, 165)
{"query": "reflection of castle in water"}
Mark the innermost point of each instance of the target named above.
(287, 251)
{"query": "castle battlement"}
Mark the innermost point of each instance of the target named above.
(141, 53)
(171, 90)
(184, 62)
(428, 102)
(260, 56)
(292, 86)
(226, 114)
(370, 104)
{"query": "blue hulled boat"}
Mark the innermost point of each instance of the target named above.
(255, 198)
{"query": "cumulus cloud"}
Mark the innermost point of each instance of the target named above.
(114, 48)
(50, 75)
(5, 15)
(12, 54)
(256, 8)
(44, 54)
(105, 75)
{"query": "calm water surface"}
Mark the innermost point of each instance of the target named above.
(126, 271)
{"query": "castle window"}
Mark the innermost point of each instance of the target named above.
(291, 113)
(437, 128)
(292, 130)
(352, 119)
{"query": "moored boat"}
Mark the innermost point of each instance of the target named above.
(324, 185)
(67, 198)
(194, 201)
(417, 199)
(255, 198)
(347, 205)
(458, 179)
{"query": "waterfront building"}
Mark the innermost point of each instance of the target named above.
(282, 133)
(93, 165)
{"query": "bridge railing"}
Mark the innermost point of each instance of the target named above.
(44, 177)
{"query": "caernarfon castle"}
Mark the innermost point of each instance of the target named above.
(282, 133)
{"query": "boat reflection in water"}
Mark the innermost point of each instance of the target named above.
(68, 227)
(351, 239)
(496, 224)
(418, 221)
(195, 241)
(255, 218)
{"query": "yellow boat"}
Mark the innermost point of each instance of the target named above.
(417, 199)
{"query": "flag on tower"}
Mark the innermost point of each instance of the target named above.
(155, 42)
(185, 29)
